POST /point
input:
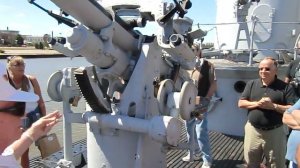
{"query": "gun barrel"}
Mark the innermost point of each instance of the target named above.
(94, 16)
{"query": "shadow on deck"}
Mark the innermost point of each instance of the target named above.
(227, 152)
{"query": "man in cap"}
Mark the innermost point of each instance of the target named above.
(13, 141)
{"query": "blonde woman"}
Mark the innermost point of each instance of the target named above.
(28, 83)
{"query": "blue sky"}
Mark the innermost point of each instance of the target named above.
(29, 20)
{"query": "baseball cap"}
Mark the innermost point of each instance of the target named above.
(8, 93)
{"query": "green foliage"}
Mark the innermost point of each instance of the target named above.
(39, 45)
(36, 46)
(30, 44)
(19, 40)
(46, 45)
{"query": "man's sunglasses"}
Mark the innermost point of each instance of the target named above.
(266, 69)
(17, 110)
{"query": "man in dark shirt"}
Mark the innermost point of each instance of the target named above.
(205, 79)
(292, 74)
(291, 71)
(266, 99)
(293, 67)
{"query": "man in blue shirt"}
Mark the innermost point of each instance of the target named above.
(292, 118)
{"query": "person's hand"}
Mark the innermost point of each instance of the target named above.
(264, 100)
(198, 112)
(43, 125)
(266, 103)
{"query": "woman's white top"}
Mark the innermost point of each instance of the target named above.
(8, 160)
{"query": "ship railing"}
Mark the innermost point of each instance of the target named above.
(252, 50)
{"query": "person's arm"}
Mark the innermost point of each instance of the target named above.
(213, 83)
(290, 100)
(296, 115)
(37, 130)
(37, 91)
(290, 121)
(298, 155)
(280, 108)
(288, 118)
(264, 103)
(212, 89)
(286, 79)
(243, 103)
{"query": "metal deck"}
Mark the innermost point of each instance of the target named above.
(227, 152)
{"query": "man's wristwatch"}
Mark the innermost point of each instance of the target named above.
(275, 106)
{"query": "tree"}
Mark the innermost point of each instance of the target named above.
(36, 46)
(41, 45)
(19, 40)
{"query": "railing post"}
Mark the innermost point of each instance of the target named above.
(296, 47)
(253, 21)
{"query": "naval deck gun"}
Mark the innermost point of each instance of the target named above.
(137, 87)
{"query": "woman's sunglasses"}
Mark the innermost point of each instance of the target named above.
(19, 64)
(17, 110)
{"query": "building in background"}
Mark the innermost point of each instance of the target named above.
(8, 36)
(28, 39)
